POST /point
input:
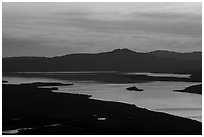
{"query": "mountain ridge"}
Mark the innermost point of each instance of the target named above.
(114, 51)
(122, 60)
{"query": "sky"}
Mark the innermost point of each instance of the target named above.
(52, 29)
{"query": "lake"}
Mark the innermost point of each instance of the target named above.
(157, 95)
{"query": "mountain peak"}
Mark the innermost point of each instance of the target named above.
(125, 50)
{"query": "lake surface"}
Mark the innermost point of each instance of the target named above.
(157, 95)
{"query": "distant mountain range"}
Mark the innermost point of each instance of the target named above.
(122, 60)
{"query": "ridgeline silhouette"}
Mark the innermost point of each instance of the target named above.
(122, 60)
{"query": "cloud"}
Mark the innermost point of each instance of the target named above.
(60, 28)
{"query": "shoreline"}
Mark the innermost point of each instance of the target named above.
(195, 89)
(88, 116)
(54, 79)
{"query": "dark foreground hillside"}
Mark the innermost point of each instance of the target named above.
(196, 89)
(36, 110)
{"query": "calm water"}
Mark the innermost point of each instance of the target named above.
(157, 96)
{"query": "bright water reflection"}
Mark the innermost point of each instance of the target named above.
(158, 95)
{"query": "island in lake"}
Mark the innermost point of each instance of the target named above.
(133, 88)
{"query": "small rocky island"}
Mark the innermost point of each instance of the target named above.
(196, 89)
(133, 88)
